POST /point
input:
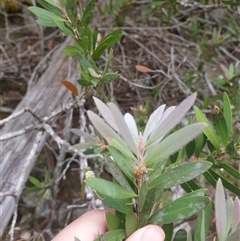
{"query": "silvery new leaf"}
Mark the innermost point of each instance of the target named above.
(151, 146)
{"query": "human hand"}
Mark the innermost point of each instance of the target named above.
(93, 223)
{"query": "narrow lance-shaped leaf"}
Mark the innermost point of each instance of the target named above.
(51, 6)
(181, 235)
(124, 163)
(113, 222)
(209, 131)
(202, 223)
(106, 131)
(174, 142)
(117, 174)
(88, 13)
(227, 112)
(173, 118)
(131, 223)
(132, 126)
(113, 235)
(179, 209)
(44, 14)
(152, 146)
(106, 113)
(180, 174)
(122, 148)
(122, 126)
(229, 205)
(70, 86)
(153, 121)
(46, 22)
(109, 189)
(220, 211)
(237, 100)
(235, 214)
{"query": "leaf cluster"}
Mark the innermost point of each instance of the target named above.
(88, 44)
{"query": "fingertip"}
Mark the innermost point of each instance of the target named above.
(149, 233)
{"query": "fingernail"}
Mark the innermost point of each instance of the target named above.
(153, 234)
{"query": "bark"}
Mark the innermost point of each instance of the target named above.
(19, 154)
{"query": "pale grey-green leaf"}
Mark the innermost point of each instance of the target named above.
(122, 126)
(220, 211)
(173, 118)
(153, 121)
(132, 126)
(174, 142)
(235, 214)
(106, 113)
(105, 130)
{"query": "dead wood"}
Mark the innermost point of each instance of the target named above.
(19, 154)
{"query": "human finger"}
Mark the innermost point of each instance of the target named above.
(148, 233)
(86, 228)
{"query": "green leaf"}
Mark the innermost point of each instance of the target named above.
(117, 174)
(46, 22)
(200, 142)
(107, 42)
(32, 189)
(212, 178)
(108, 77)
(124, 163)
(84, 42)
(109, 189)
(180, 174)
(203, 223)
(113, 235)
(151, 204)
(88, 13)
(110, 55)
(51, 7)
(229, 169)
(190, 186)
(98, 51)
(35, 181)
(198, 192)
(209, 131)
(142, 195)
(181, 235)
(174, 142)
(237, 100)
(131, 223)
(227, 112)
(232, 4)
(119, 205)
(72, 51)
(84, 82)
(123, 149)
(221, 127)
(168, 230)
(179, 209)
(86, 64)
(190, 148)
(63, 27)
(62, 2)
(113, 222)
(44, 14)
